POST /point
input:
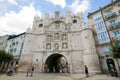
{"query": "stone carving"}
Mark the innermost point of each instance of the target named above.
(49, 38)
(64, 37)
(64, 45)
(48, 46)
(56, 36)
(56, 46)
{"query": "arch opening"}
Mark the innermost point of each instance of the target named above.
(54, 62)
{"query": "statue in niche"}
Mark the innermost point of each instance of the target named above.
(56, 46)
(64, 37)
(48, 46)
(56, 35)
(57, 25)
(64, 45)
(49, 37)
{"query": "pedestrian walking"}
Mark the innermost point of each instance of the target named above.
(60, 70)
(54, 69)
(45, 68)
(32, 70)
(68, 69)
(28, 70)
(16, 68)
(86, 71)
(10, 71)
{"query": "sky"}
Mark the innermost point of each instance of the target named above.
(18, 15)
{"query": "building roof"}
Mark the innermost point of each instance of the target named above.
(14, 36)
(102, 8)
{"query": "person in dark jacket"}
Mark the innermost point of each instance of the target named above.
(86, 71)
(10, 71)
(32, 70)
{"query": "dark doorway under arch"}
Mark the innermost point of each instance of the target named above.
(111, 67)
(53, 62)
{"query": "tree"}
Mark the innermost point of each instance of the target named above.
(5, 58)
(8, 57)
(2, 54)
(115, 50)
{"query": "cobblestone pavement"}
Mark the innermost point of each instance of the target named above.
(40, 76)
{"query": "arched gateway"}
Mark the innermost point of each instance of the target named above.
(54, 61)
(60, 40)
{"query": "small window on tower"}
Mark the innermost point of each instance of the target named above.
(74, 21)
(40, 25)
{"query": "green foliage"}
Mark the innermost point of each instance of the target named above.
(6, 57)
(115, 48)
(2, 55)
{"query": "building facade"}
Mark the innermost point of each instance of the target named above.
(105, 23)
(14, 46)
(60, 41)
(3, 42)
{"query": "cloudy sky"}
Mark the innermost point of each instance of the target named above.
(17, 15)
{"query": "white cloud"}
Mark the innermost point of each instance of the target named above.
(61, 3)
(18, 22)
(13, 2)
(1, 0)
(80, 6)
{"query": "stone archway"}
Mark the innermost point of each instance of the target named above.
(54, 61)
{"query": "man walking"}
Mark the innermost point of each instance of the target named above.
(86, 71)
(16, 68)
(32, 70)
(28, 70)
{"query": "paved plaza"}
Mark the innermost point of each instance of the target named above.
(56, 76)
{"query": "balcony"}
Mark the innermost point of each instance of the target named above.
(116, 38)
(111, 27)
(112, 15)
(97, 43)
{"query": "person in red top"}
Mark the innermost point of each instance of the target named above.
(45, 68)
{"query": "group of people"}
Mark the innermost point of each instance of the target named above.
(30, 70)
(64, 69)
(61, 69)
(67, 70)
(12, 69)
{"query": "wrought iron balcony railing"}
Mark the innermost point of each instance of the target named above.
(112, 15)
(113, 27)
(118, 37)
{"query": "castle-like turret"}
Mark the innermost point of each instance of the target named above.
(90, 56)
(68, 18)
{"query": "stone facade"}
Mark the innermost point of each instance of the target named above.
(60, 41)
